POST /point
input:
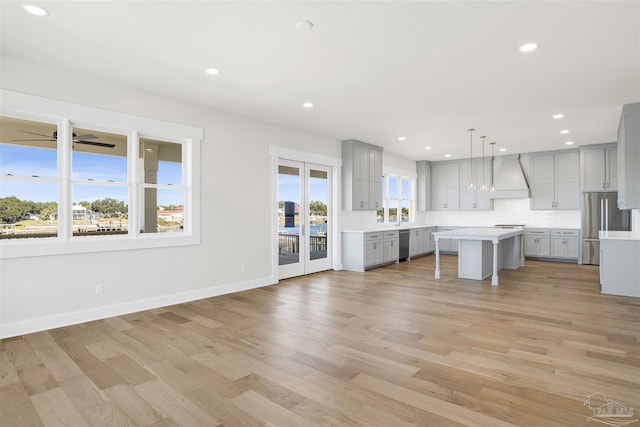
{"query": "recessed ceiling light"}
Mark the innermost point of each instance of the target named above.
(447, 155)
(503, 150)
(304, 25)
(427, 148)
(402, 138)
(308, 105)
(569, 143)
(35, 10)
(558, 116)
(564, 131)
(212, 71)
(528, 47)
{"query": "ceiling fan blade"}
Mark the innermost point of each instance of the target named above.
(33, 133)
(83, 137)
(96, 143)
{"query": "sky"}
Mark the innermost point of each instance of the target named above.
(87, 169)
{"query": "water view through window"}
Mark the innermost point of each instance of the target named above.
(98, 178)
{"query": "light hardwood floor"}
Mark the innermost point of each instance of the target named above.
(390, 347)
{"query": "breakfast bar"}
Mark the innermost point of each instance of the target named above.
(484, 251)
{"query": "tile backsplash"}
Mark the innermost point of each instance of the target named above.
(505, 211)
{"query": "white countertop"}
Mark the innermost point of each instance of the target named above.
(387, 228)
(620, 235)
(484, 233)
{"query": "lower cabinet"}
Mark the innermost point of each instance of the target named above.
(536, 243)
(565, 244)
(421, 241)
(361, 251)
(552, 243)
(390, 245)
(447, 245)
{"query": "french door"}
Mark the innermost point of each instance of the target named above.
(304, 218)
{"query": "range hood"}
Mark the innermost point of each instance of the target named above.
(509, 179)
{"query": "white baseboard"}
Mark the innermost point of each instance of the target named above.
(65, 319)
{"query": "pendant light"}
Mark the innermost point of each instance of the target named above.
(493, 185)
(483, 187)
(471, 185)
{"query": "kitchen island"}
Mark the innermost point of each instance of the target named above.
(484, 251)
(619, 263)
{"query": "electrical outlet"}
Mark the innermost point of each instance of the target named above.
(242, 268)
(99, 289)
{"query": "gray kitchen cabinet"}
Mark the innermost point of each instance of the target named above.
(447, 245)
(421, 241)
(423, 185)
(562, 244)
(565, 243)
(373, 249)
(390, 244)
(475, 198)
(537, 243)
(599, 168)
(629, 157)
(445, 185)
(364, 250)
(555, 180)
(361, 176)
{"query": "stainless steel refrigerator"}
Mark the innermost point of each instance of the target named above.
(600, 212)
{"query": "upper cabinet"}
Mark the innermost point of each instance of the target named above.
(445, 186)
(555, 180)
(629, 157)
(361, 176)
(599, 168)
(423, 185)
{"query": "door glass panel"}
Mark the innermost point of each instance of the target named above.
(318, 198)
(288, 215)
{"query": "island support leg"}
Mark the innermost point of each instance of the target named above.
(437, 275)
(494, 278)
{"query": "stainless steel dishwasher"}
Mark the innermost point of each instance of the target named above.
(403, 250)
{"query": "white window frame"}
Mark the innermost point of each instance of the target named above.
(63, 114)
(386, 200)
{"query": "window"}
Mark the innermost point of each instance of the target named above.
(397, 199)
(81, 187)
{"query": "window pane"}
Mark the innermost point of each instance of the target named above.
(99, 156)
(28, 209)
(99, 210)
(393, 210)
(393, 187)
(27, 148)
(162, 161)
(380, 212)
(163, 210)
(405, 211)
(404, 189)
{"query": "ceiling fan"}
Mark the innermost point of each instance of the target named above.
(78, 139)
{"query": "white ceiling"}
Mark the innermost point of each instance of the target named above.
(375, 71)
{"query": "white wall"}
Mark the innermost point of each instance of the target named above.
(38, 292)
